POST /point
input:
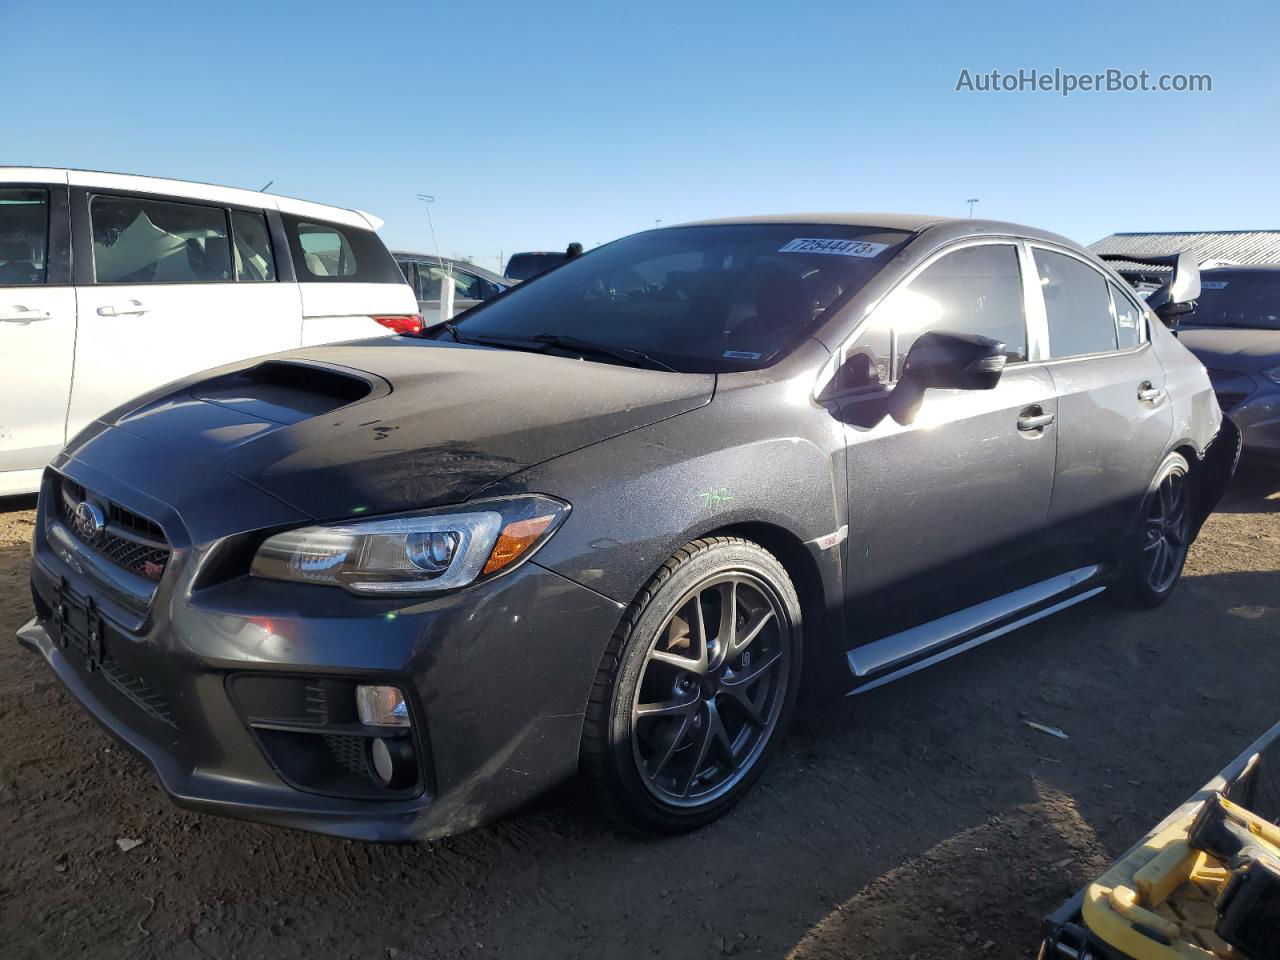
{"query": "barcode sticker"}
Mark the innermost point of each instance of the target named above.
(841, 248)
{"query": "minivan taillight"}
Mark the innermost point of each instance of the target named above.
(405, 323)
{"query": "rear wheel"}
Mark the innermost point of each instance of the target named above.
(1157, 553)
(696, 689)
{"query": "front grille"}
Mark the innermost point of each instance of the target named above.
(129, 540)
(348, 751)
(137, 690)
(1228, 401)
(1230, 387)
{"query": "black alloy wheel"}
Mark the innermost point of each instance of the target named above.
(1154, 555)
(696, 688)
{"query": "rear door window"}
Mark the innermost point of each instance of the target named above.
(1128, 319)
(338, 253)
(158, 241)
(24, 236)
(1077, 304)
(252, 247)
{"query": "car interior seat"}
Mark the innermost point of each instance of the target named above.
(16, 263)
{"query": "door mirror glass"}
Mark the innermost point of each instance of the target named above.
(955, 361)
(949, 361)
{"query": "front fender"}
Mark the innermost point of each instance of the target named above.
(639, 498)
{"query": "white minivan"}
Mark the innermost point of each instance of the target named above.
(112, 284)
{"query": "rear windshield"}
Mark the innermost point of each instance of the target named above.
(325, 252)
(699, 299)
(522, 266)
(1250, 300)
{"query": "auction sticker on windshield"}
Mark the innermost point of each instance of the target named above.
(843, 248)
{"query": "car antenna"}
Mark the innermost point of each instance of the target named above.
(264, 189)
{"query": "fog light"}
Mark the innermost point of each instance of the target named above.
(382, 707)
(392, 762)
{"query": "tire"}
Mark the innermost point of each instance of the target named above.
(1154, 554)
(682, 721)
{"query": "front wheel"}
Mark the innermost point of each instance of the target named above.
(1158, 551)
(696, 688)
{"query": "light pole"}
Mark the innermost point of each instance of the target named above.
(972, 201)
(427, 200)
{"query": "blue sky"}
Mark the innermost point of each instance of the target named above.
(535, 124)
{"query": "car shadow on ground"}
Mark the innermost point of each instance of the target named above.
(1255, 487)
(25, 501)
(924, 817)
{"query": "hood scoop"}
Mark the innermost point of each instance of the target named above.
(288, 391)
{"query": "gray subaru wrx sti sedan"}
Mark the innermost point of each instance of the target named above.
(611, 520)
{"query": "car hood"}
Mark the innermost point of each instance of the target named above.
(1233, 349)
(395, 423)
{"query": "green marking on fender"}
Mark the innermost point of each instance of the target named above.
(715, 496)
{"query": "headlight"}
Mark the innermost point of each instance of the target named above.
(1273, 374)
(433, 550)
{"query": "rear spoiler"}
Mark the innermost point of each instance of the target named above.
(1178, 295)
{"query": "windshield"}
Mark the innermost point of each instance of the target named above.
(522, 266)
(704, 299)
(1243, 300)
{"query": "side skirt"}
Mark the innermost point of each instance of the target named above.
(904, 653)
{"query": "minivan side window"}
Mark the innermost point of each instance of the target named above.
(158, 241)
(1077, 305)
(252, 247)
(24, 236)
(975, 290)
(1128, 319)
(325, 251)
(337, 253)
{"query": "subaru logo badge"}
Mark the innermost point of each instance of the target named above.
(89, 520)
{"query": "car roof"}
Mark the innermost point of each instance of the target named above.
(908, 222)
(911, 222)
(453, 261)
(191, 189)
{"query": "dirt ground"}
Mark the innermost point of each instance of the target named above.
(923, 820)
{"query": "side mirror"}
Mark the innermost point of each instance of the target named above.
(955, 361)
(951, 361)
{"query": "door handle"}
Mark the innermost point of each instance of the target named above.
(1034, 419)
(1148, 393)
(20, 314)
(130, 308)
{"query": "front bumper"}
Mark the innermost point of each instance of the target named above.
(497, 677)
(1257, 414)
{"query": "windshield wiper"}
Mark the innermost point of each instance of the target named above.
(448, 326)
(554, 341)
(586, 347)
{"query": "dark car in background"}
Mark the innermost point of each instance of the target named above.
(526, 266)
(612, 521)
(1235, 331)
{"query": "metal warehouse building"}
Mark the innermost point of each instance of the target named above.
(1237, 246)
